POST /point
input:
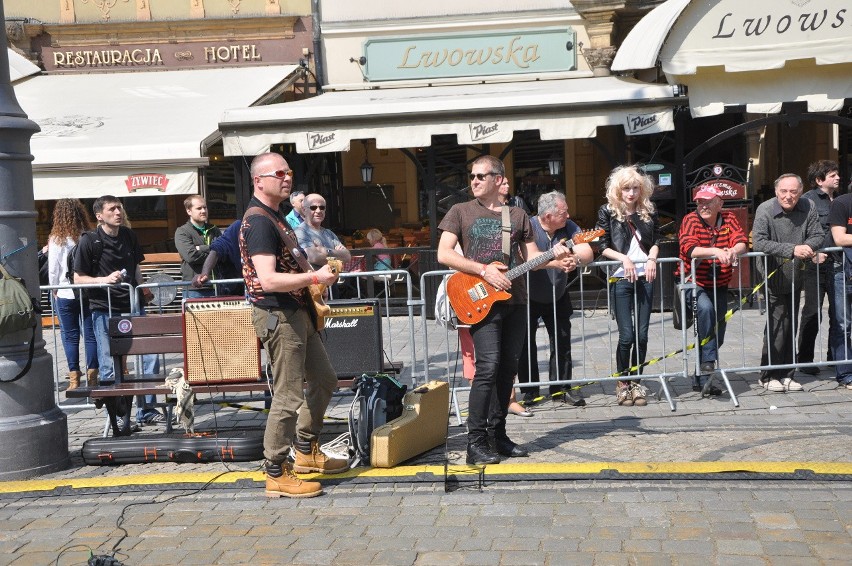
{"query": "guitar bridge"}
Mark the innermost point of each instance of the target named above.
(477, 292)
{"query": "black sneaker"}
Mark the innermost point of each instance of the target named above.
(481, 454)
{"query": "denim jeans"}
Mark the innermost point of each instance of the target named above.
(841, 345)
(814, 296)
(198, 293)
(70, 317)
(632, 315)
(497, 342)
(150, 363)
(708, 315)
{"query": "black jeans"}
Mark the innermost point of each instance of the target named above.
(778, 348)
(497, 342)
(632, 315)
(557, 321)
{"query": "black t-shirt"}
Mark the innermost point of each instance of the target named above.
(120, 252)
(259, 235)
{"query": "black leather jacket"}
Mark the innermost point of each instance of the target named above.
(617, 235)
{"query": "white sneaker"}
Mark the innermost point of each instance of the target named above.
(791, 384)
(776, 386)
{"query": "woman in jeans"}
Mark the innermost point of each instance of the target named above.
(69, 221)
(631, 233)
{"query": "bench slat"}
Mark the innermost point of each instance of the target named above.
(137, 345)
(148, 325)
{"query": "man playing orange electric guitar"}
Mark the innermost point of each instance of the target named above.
(497, 338)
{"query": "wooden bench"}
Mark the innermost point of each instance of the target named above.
(150, 334)
(154, 334)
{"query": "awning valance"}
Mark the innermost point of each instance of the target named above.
(480, 113)
(132, 133)
(757, 54)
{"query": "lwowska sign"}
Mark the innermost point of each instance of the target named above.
(461, 55)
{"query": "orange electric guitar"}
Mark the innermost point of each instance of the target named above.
(317, 292)
(472, 296)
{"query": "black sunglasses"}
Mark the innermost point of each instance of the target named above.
(480, 176)
(317, 207)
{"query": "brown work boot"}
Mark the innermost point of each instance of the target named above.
(287, 484)
(309, 458)
(74, 379)
(92, 376)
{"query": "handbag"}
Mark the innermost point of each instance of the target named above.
(677, 320)
(18, 311)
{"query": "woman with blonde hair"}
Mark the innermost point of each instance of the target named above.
(631, 233)
(70, 219)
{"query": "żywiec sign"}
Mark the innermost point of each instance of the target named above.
(470, 54)
(147, 181)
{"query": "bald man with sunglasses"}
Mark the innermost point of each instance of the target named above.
(319, 243)
(302, 376)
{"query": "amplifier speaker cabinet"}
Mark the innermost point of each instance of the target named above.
(353, 337)
(220, 345)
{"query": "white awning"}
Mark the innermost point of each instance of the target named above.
(480, 113)
(641, 48)
(133, 133)
(20, 66)
(757, 54)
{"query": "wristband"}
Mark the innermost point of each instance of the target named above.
(482, 274)
(652, 259)
(316, 280)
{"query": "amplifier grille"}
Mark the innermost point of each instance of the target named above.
(220, 345)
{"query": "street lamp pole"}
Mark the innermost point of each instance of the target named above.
(33, 430)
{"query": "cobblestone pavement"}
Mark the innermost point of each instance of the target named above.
(604, 484)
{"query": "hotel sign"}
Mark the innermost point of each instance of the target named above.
(471, 54)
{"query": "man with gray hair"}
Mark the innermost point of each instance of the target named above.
(787, 229)
(319, 243)
(294, 217)
(551, 302)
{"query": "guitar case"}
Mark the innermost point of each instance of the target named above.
(225, 446)
(422, 426)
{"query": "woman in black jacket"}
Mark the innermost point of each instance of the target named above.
(631, 233)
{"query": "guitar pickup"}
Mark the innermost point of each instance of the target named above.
(477, 292)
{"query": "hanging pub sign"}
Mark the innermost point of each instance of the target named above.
(470, 54)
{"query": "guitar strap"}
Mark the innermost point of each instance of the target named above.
(507, 234)
(286, 237)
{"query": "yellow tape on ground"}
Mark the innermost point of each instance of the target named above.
(513, 469)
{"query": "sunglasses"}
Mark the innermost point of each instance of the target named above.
(317, 207)
(480, 176)
(280, 174)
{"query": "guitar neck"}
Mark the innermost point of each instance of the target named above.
(535, 262)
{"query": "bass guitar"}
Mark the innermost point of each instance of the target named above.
(317, 292)
(472, 296)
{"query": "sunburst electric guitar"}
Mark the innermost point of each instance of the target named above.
(317, 292)
(472, 296)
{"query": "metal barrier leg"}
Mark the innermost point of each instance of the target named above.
(729, 388)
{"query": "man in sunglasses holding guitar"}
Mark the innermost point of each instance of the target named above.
(499, 325)
(277, 278)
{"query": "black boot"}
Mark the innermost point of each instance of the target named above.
(505, 447)
(479, 453)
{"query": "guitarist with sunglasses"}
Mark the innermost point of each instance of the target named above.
(498, 338)
(277, 278)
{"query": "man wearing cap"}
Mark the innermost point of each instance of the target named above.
(715, 237)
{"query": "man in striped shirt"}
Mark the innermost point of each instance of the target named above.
(716, 237)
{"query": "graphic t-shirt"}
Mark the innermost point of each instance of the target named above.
(479, 231)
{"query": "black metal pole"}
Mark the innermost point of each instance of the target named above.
(33, 430)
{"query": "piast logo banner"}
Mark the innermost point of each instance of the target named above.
(481, 131)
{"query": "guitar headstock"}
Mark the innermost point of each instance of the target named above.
(335, 264)
(587, 236)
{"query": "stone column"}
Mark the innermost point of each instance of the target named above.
(33, 430)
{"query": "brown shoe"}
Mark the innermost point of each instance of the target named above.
(638, 394)
(74, 379)
(309, 458)
(92, 376)
(289, 485)
(623, 395)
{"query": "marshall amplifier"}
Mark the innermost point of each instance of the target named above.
(353, 337)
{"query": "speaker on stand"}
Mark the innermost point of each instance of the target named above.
(353, 337)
